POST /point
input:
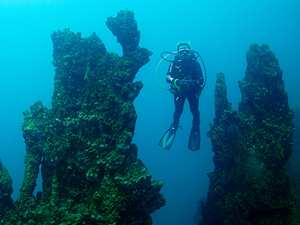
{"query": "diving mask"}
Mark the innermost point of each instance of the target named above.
(184, 52)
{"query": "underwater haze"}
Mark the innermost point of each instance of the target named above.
(221, 31)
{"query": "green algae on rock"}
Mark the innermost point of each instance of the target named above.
(6, 189)
(293, 163)
(90, 170)
(250, 184)
(124, 27)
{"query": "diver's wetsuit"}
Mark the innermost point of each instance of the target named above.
(190, 74)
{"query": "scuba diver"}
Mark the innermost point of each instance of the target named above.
(186, 79)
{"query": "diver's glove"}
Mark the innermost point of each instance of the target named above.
(170, 79)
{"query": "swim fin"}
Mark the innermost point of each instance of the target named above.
(167, 140)
(194, 141)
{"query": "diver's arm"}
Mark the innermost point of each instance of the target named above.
(199, 75)
(170, 74)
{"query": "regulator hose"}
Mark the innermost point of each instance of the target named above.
(174, 53)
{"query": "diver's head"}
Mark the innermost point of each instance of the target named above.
(184, 50)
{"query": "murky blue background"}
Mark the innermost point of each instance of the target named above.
(221, 31)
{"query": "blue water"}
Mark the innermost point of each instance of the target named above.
(221, 31)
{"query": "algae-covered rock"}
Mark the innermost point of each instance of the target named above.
(250, 184)
(124, 26)
(5, 192)
(294, 162)
(5, 182)
(221, 101)
(90, 170)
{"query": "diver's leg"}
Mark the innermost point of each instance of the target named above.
(194, 107)
(179, 100)
(168, 138)
(194, 140)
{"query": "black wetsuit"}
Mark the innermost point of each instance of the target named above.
(190, 75)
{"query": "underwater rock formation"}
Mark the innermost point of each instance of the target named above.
(250, 184)
(6, 189)
(294, 162)
(124, 27)
(90, 170)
